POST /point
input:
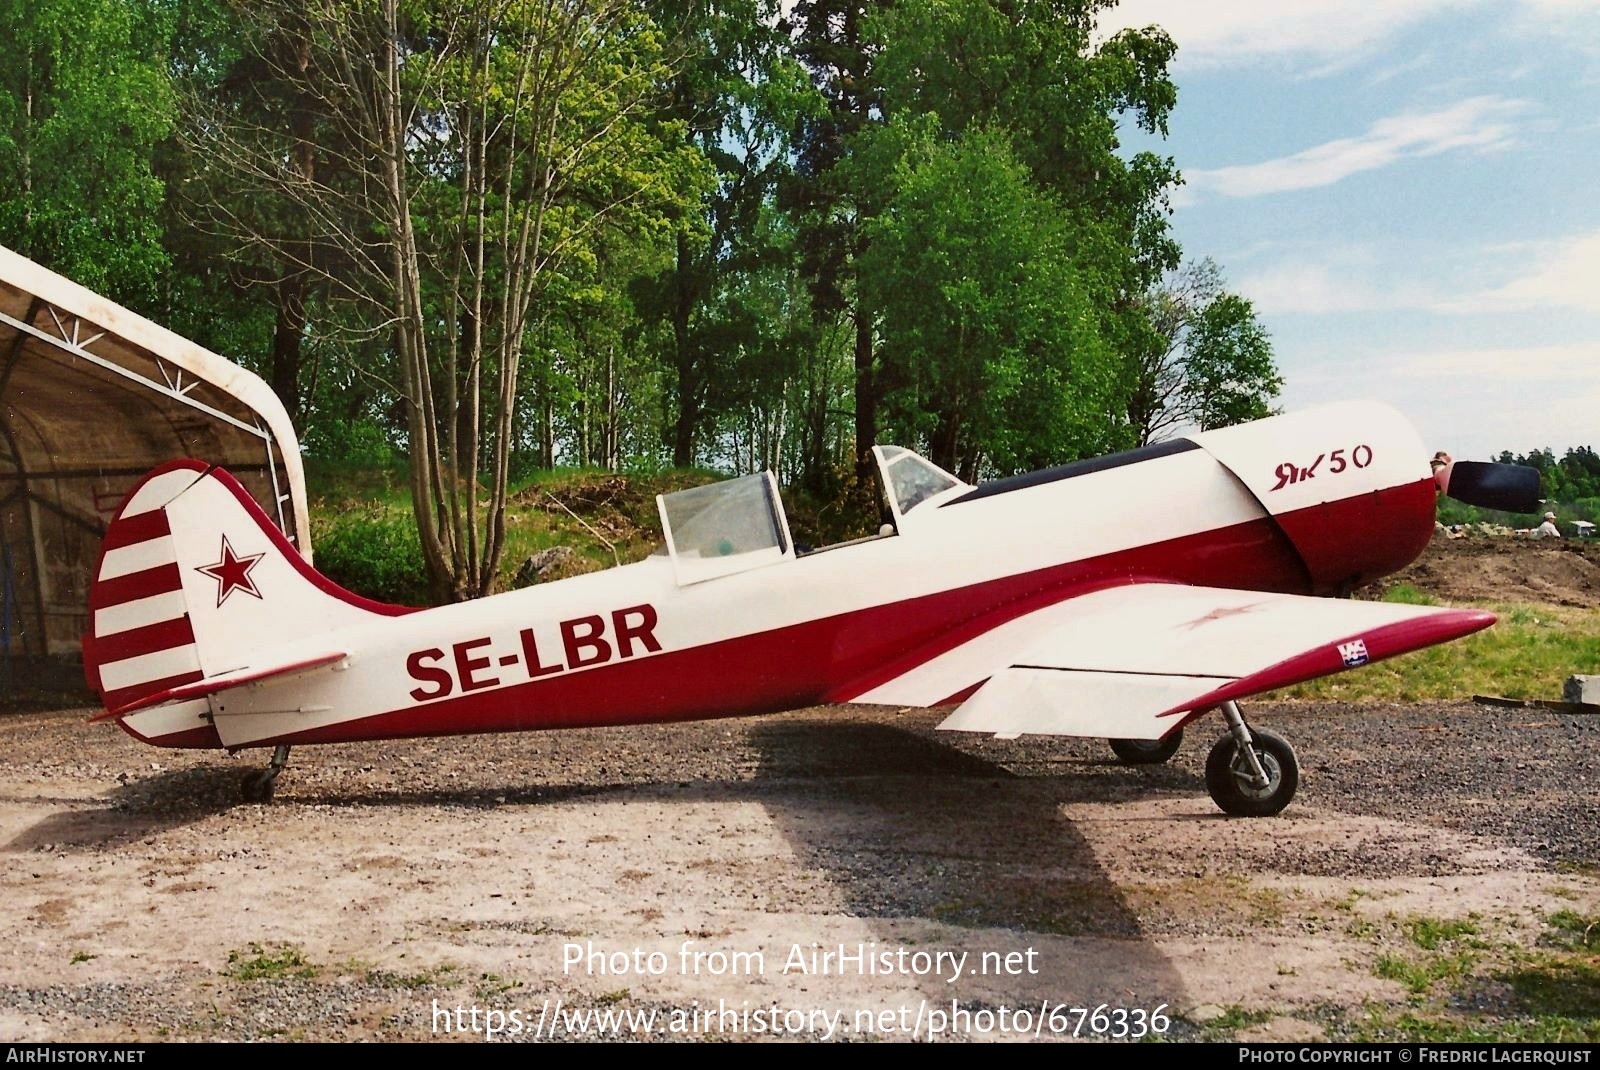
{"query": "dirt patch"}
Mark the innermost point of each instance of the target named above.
(1565, 573)
(144, 901)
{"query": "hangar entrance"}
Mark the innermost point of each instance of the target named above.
(92, 396)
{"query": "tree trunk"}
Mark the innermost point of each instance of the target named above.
(866, 397)
(289, 326)
(688, 388)
(288, 332)
(942, 445)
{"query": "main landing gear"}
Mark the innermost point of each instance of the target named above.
(259, 784)
(1248, 773)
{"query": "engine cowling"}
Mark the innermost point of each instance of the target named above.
(1348, 485)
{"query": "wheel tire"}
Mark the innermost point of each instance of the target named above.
(1147, 751)
(258, 786)
(1227, 773)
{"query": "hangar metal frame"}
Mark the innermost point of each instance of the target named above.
(73, 366)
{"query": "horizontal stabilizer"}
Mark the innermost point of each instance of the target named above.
(225, 682)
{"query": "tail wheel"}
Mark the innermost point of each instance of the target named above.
(258, 785)
(1147, 751)
(1233, 784)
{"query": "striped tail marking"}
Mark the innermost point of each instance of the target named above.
(140, 639)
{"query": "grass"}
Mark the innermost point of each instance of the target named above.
(256, 963)
(1406, 594)
(1562, 986)
(1546, 994)
(1419, 975)
(363, 532)
(1571, 930)
(1379, 1026)
(1232, 1019)
(1528, 654)
(1430, 933)
(410, 981)
(1451, 949)
(490, 985)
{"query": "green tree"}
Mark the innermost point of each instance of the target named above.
(1033, 68)
(1029, 68)
(85, 104)
(991, 354)
(734, 94)
(832, 40)
(1208, 361)
(1231, 377)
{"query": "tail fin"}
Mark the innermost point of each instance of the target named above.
(194, 581)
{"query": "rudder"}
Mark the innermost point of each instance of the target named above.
(194, 581)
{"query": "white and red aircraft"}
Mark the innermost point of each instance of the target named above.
(1121, 597)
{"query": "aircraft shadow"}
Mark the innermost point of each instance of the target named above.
(908, 826)
(135, 809)
(911, 826)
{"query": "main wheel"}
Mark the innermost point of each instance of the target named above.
(1147, 751)
(1228, 775)
(258, 785)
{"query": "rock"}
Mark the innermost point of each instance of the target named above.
(1584, 689)
(549, 564)
(1206, 1012)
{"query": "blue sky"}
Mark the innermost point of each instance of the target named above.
(1409, 191)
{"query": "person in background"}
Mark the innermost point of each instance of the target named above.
(1548, 529)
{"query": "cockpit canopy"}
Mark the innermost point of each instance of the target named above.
(911, 480)
(723, 528)
(739, 524)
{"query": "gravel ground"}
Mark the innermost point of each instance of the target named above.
(142, 900)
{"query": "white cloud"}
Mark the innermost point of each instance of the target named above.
(1490, 280)
(1333, 32)
(1253, 29)
(1314, 289)
(1472, 402)
(1393, 71)
(1575, 362)
(1564, 274)
(1482, 124)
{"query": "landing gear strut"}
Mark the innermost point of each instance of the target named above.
(259, 783)
(1250, 773)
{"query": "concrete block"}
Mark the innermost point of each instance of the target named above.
(1582, 689)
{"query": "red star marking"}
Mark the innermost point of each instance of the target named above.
(1219, 614)
(232, 573)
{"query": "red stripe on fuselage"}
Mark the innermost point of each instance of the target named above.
(801, 665)
(804, 664)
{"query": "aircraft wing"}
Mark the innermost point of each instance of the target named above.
(1132, 662)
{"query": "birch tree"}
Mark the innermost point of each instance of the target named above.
(468, 151)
